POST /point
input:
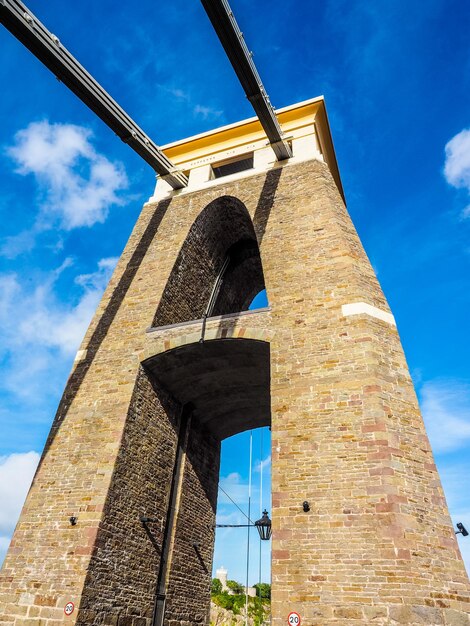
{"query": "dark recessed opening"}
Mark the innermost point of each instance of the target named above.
(226, 381)
(233, 167)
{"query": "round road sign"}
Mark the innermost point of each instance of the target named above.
(293, 619)
(68, 608)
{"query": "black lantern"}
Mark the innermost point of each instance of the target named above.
(264, 527)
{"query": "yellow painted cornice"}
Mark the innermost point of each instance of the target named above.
(295, 121)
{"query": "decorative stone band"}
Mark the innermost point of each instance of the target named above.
(361, 308)
(81, 354)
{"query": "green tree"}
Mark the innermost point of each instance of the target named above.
(231, 603)
(237, 588)
(263, 590)
(216, 587)
(258, 611)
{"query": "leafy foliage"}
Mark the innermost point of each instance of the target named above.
(230, 602)
(216, 587)
(263, 590)
(237, 588)
(258, 608)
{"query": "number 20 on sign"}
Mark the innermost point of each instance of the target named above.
(293, 619)
(69, 608)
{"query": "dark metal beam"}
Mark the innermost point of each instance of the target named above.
(19, 20)
(240, 57)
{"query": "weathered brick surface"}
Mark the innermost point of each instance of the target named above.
(123, 548)
(377, 545)
(191, 565)
(347, 434)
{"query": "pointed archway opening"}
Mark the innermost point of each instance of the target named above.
(218, 269)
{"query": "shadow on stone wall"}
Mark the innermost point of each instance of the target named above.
(102, 328)
(266, 202)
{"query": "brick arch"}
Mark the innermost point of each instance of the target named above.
(223, 228)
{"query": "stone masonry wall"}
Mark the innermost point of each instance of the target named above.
(191, 565)
(122, 576)
(377, 545)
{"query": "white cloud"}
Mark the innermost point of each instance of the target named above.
(238, 490)
(77, 184)
(17, 244)
(230, 543)
(457, 164)
(176, 93)
(235, 488)
(39, 332)
(445, 405)
(185, 98)
(260, 466)
(34, 316)
(465, 214)
(99, 279)
(16, 474)
(207, 112)
(453, 475)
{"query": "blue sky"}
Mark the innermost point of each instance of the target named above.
(396, 77)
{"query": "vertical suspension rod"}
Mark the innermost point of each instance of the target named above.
(26, 27)
(249, 528)
(231, 38)
(260, 503)
(214, 295)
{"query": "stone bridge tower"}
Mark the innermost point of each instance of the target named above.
(139, 427)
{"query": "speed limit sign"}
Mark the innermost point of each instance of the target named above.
(293, 619)
(69, 608)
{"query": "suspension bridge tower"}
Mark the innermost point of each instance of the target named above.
(118, 526)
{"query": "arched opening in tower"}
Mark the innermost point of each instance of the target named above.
(241, 573)
(223, 386)
(222, 383)
(218, 270)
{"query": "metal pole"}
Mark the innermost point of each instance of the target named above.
(260, 503)
(171, 518)
(214, 295)
(248, 537)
